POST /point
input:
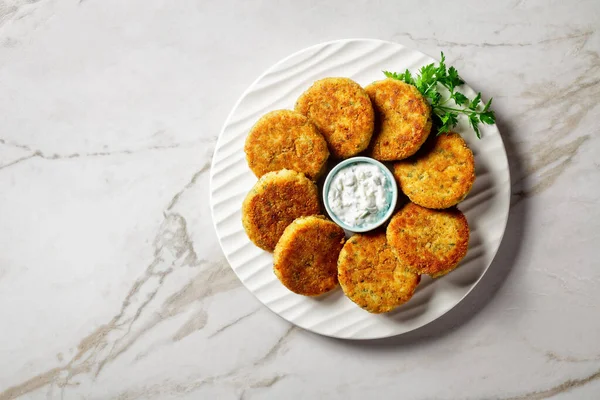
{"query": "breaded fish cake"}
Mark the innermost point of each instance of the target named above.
(440, 175)
(278, 198)
(428, 241)
(372, 276)
(305, 258)
(342, 111)
(285, 139)
(402, 119)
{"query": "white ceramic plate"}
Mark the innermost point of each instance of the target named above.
(333, 314)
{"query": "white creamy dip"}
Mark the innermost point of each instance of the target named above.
(359, 194)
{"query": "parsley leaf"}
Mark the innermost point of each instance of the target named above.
(453, 79)
(430, 79)
(487, 105)
(459, 98)
(393, 75)
(408, 78)
(448, 120)
(475, 102)
(488, 117)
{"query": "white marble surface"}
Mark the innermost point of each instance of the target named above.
(112, 283)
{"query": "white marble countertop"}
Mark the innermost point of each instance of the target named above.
(113, 285)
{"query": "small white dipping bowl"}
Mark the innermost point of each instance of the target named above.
(393, 187)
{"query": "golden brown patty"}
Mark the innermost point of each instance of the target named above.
(274, 202)
(372, 276)
(342, 111)
(305, 259)
(402, 119)
(286, 139)
(440, 175)
(429, 241)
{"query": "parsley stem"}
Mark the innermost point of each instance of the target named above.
(465, 111)
(444, 102)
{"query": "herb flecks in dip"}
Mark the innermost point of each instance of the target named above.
(360, 194)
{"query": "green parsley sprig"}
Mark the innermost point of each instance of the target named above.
(430, 80)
